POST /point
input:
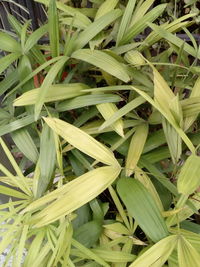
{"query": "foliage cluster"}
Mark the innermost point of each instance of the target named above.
(106, 167)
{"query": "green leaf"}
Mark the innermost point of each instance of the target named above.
(25, 144)
(35, 37)
(125, 20)
(175, 40)
(34, 73)
(141, 176)
(17, 124)
(141, 10)
(21, 246)
(87, 100)
(15, 24)
(6, 61)
(106, 7)
(8, 43)
(49, 79)
(95, 28)
(9, 80)
(137, 198)
(169, 117)
(89, 233)
(88, 253)
(69, 11)
(103, 61)
(53, 25)
(24, 33)
(140, 25)
(47, 159)
(24, 69)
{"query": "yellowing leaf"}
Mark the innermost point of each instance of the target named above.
(107, 110)
(174, 140)
(103, 61)
(158, 254)
(195, 93)
(118, 228)
(146, 181)
(82, 141)
(134, 57)
(106, 7)
(55, 93)
(187, 254)
(162, 93)
(189, 177)
(135, 149)
(176, 110)
(73, 195)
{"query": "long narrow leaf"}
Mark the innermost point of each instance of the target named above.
(103, 61)
(49, 79)
(53, 28)
(82, 141)
(137, 198)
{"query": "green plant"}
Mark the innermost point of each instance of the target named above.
(92, 96)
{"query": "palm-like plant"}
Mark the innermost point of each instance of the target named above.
(88, 97)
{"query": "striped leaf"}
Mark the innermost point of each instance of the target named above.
(158, 254)
(87, 100)
(95, 28)
(107, 110)
(187, 254)
(8, 43)
(55, 93)
(49, 79)
(6, 61)
(189, 179)
(136, 199)
(106, 7)
(25, 144)
(195, 93)
(136, 147)
(86, 187)
(103, 61)
(47, 159)
(125, 20)
(82, 141)
(53, 26)
(140, 25)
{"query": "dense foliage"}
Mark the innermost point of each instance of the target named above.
(102, 106)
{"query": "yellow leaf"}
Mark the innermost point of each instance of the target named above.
(187, 254)
(136, 147)
(158, 254)
(55, 93)
(107, 110)
(146, 181)
(73, 195)
(82, 141)
(189, 178)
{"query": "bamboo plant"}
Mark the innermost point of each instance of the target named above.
(105, 138)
